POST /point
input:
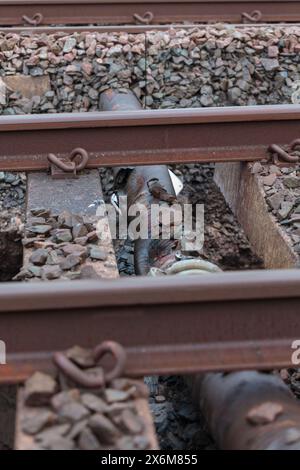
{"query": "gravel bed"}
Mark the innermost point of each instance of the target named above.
(12, 206)
(223, 66)
(78, 66)
(12, 190)
(203, 66)
(179, 424)
(292, 378)
(57, 414)
(61, 246)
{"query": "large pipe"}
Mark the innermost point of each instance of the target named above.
(244, 410)
(145, 185)
(248, 410)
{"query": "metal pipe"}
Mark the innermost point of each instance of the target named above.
(248, 410)
(145, 185)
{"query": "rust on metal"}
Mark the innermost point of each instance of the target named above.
(249, 410)
(77, 375)
(135, 399)
(119, 355)
(224, 321)
(77, 12)
(68, 167)
(159, 136)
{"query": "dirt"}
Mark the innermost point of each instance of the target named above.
(225, 243)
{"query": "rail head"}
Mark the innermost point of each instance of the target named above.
(159, 137)
(229, 286)
(141, 118)
(226, 321)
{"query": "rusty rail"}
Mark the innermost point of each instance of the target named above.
(76, 12)
(228, 321)
(159, 137)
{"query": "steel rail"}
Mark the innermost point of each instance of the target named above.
(45, 12)
(225, 321)
(148, 136)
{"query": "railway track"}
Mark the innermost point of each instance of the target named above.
(236, 320)
(162, 136)
(225, 322)
(69, 12)
(230, 298)
(222, 322)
